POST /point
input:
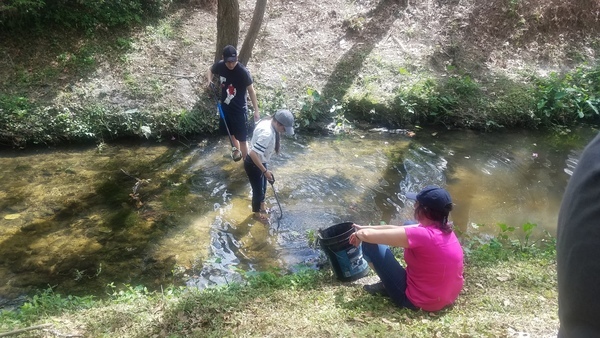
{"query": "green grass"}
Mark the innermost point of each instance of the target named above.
(514, 291)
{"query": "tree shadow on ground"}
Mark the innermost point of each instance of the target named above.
(380, 20)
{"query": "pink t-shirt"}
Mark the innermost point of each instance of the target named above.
(434, 267)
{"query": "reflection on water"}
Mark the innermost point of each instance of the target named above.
(70, 218)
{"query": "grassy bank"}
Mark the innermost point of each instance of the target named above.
(510, 289)
(96, 72)
(458, 101)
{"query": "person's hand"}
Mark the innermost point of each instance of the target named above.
(354, 240)
(269, 176)
(256, 116)
(354, 237)
(358, 227)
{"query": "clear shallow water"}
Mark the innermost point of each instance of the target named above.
(66, 219)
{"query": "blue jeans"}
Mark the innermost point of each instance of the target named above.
(389, 270)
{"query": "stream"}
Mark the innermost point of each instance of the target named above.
(79, 218)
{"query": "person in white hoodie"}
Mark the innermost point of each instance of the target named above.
(265, 142)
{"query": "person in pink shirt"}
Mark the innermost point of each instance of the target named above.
(433, 276)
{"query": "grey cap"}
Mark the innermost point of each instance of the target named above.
(286, 118)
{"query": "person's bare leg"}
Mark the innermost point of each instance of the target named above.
(243, 147)
(236, 143)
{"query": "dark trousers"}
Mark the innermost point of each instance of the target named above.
(258, 181)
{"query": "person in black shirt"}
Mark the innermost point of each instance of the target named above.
(235, 84)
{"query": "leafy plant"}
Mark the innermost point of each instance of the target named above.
(310, 111)
(274, 101)
(560, 98)
(48, 303)
(506, 245)
(513, 6)
(340, 124)
(312, 238)
(17, 106)
(83, 14)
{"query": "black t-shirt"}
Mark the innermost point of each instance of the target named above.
(234, 87)
(578, 249)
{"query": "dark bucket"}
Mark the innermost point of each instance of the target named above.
(346, 260)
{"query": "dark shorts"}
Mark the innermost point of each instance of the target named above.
(236, 124)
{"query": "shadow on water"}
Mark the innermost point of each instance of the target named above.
(79, 219)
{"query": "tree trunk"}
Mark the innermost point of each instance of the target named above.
(250, 39)
(228, 25)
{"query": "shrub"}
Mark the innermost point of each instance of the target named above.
(82, 14)
(564, 98)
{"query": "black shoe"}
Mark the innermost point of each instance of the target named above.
(376, 289)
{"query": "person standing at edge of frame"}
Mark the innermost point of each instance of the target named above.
(578, 247)
(265, 142)
(235, 83)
